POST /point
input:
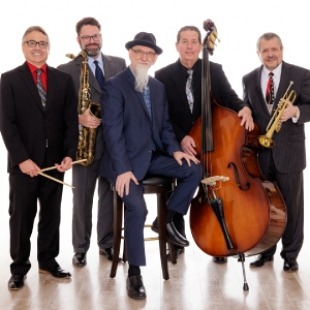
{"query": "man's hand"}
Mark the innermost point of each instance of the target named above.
(289, 112)
(123, 181)
(246, 118)
(64, 165)
(29, 167)
(178, 156)
(188, 145)
(88, 120)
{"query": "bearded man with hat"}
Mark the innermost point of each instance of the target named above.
(140, 141)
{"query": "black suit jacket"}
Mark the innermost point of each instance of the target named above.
(174, 78)
(26, 128)
(289, 152)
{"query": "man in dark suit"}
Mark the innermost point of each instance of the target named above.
(140, 140)
(85, 176)
(174, 77)
(285, 161)
(38, 123)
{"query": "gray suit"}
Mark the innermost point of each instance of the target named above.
(84, 178)
(285, 162)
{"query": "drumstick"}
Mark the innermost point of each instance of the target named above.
(54, 179)
(54, 167)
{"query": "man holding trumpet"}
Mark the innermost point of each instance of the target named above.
(283, 155)
(39, 126)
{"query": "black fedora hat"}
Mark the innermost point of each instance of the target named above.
(145, 39)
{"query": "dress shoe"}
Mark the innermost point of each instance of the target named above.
(56, 272)
(16, 281)
(154, 226)
(177, 251)
(174, 236)
(219, 260)
(261, 260)
(79, 259)
(135, 287)
(108, 253)
(290, 265)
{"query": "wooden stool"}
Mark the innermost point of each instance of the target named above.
(161, 186)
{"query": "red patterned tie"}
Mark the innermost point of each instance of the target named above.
(270, 90)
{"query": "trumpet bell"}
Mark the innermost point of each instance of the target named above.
(266, 141)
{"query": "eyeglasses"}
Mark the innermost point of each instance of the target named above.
(141, 53)
(95, 37)
(33, 43)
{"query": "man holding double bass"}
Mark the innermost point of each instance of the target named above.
(182, 81)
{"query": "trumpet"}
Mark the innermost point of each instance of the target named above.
(275, 123)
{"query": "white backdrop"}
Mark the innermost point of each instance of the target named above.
(239, 24)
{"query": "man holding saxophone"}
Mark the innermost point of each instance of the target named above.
(93, 68)
(283, 157)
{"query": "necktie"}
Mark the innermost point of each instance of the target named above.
(41, 90)
(189, 89)
(270, 90)
(99, 75)
(147, 100)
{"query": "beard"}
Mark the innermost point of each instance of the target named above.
(141, 77)
(93, 50)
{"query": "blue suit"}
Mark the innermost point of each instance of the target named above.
(136, 143)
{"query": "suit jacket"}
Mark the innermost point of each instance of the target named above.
(174, 78)
(289, 153)
(130, 135)
(26, 127)
(112, 66)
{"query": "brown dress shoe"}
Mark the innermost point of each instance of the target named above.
(261, 260)
(16, 281)
(290, 265)
(135, 287)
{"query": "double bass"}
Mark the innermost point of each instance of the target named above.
(236, 211)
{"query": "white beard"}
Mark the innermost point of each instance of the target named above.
(141, 78)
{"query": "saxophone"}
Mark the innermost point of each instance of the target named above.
(87, 136)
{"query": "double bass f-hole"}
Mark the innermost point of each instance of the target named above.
(237, 177)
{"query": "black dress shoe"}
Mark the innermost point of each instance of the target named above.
(219, 260)
(108, 253)
(135, 287)
(56, 272)
(177, 251)
(174, 236)
(154, 226)
(290, 265)
(261, 260)
(79, 259)
(16, 281)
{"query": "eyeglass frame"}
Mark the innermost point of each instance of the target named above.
(87, 38)
(141, 53)
(33, 43)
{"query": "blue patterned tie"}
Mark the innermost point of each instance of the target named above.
(41, 90)
(99, 75)
(189, 89)
(147, 100)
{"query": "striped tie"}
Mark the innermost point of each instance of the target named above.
(41, 90)
(189, 89)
